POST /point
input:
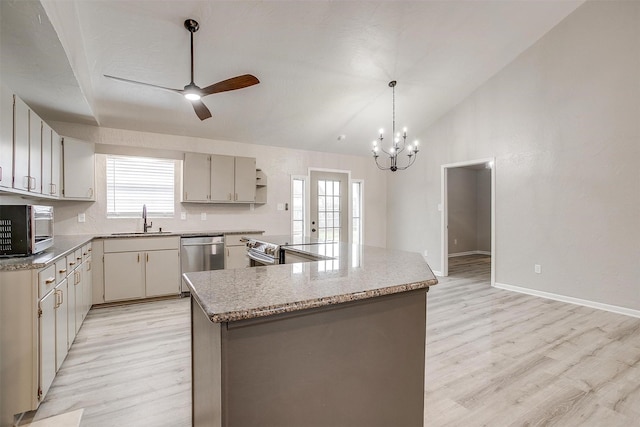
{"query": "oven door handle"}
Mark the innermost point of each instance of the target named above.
(261, 259)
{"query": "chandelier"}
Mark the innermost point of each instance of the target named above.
(398, 146)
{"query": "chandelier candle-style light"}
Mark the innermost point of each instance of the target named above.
(399, 143)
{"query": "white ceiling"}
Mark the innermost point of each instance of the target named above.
(324, 66)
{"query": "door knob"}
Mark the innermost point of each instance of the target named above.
(313, 230)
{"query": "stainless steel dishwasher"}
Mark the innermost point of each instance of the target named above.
(201, 253)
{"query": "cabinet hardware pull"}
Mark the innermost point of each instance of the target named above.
(50, 280)
(89, 265)
(72, 263)
(64, 270)
(138, 257)
(78, 258)
(147, 257)
(89, 250)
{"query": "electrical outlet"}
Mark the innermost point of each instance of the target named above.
(425, 253)
(203, 216)
(82, 217)
(537, 268)
(455, 241)
(183, 215)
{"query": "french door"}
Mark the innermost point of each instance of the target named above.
(329, 206)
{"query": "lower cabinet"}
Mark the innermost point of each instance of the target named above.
(47, 342)
(235, 251)
(123, 276)
(142, 267)
(42, 308)
(62, 331)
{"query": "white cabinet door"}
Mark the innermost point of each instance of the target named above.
(71, 310)
(62, 341)
(47, 341)
(222, 179)
(196, 177)
(35, 153)
(56, 164)
(162, 272)
(47, 188)
(245, 179)
(6, 137)
(78, 172)
(123, 276)
(87, 287)
(79, 296)
(21, 145)
(236, 257)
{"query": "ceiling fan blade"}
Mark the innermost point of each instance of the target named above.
(202, 111)
(233, 83)
(141, 83)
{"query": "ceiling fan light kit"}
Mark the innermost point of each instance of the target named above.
(193, 92)
(398, 145)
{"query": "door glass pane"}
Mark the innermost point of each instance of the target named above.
(328, 210)
(320, 188)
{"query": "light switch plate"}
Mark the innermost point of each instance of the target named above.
(203, 216)
(183, 215)
(537, 268)
(82, 217)
(280, 206)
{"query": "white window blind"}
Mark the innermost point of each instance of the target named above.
(136, 181)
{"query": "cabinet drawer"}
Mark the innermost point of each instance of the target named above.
(72, 262)
(86, 251)
(61, 269)
(234, 239)
(141, 244)
(46, 280)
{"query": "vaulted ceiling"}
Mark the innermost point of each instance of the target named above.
(324, 66)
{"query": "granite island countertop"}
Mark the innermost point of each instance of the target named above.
(65, 244)
(353, 273)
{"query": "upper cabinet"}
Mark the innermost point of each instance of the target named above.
(78, 169)
(6, 137)
(218, 179)
(30, 150)
(21, 178)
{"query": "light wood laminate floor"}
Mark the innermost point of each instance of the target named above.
(494, 358)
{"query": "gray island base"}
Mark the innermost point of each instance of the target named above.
(320, 357)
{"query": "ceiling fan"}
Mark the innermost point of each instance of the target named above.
(192, 91)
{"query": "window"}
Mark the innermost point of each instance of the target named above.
(136, 181)
(297, 201)
(356, 209)
(329, 210)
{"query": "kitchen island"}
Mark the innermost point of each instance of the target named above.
(337, 342)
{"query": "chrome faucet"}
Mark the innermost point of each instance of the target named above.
(144, 216)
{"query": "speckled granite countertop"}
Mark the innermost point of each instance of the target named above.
(62, 246)
(65, 244)
(354, 273)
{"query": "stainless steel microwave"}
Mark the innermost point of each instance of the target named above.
(25, 229)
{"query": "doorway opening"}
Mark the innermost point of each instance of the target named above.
(468, 214)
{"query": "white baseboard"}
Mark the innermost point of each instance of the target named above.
(570, 300)
(469, 253)
(437, 273)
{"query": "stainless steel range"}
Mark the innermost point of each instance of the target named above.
(263, 253)
(272, 250)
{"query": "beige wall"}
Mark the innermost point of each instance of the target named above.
(563, 122)
(277, 163)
